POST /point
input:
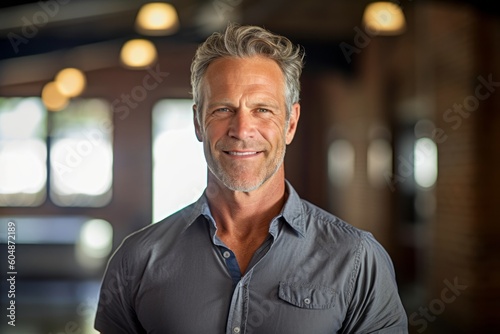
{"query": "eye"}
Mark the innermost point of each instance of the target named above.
(222, 110)
(263, 110)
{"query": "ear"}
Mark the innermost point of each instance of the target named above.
(292, 123)
(197, 127)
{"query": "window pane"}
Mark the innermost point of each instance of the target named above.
(81, 155)
(341, 157)
(179, 167)
(23, 153)
(379, 162)
(426, 162)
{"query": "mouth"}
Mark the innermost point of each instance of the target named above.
(242, 154)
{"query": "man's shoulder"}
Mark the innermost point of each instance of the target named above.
(149, 244)
(161, 232)
(338, 233)
(321, 221)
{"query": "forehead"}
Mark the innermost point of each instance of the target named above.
(245, 63)
(248, 71)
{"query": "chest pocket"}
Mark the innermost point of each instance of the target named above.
(307, 296)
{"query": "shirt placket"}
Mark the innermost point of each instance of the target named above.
(231, 264)
(238, 312)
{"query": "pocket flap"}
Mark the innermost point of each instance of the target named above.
(307, 295)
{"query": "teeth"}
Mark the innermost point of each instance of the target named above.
(242, 153)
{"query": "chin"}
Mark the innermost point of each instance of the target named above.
(242, 183)
(244, 188)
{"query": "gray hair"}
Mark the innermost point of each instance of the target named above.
(247, 41)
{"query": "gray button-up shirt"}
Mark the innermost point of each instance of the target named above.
(315, 274)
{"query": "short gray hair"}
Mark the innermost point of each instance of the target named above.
(247, 41)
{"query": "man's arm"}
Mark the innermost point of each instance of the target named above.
(375, 305)
(115, 313)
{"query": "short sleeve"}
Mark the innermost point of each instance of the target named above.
(115, 311)
(375, 305)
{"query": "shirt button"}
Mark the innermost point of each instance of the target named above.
(226, 254)
(236, 329)
(307, 301)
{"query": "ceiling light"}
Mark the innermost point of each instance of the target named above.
(53, 99)
(70, 82)
(384, 18)
(157, 18)
(138, 53)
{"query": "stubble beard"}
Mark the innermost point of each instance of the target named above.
(233, 180)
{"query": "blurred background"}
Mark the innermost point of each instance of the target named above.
(398, 136)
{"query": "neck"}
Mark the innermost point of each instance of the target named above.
(242, 215)
(243, 218)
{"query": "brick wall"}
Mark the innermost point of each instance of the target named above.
(486, 262)
(451, 45)
(447, 51)
(461, 45)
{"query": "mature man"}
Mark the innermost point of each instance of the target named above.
(249, 256)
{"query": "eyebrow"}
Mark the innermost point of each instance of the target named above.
(220, 103)
(266, 104)
(260, 104)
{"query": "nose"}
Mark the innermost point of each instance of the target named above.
(242, 125)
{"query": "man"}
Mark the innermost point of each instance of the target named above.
(249, 256)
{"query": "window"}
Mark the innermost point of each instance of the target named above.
(179, 167)
(379, 162)
(81, 154)
(341, 161)
(23, 153)
(425, 162)
(80, 150)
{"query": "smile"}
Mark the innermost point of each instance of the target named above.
(241, 154)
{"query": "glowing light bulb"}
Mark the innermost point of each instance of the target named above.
(157, 18)
(138, 53)
(384, 18)
(52, 97)
(71, 82)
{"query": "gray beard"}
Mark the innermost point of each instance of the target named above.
(235, 185)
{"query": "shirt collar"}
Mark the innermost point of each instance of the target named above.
(291, 211)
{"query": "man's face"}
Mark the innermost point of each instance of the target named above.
(243, 123)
